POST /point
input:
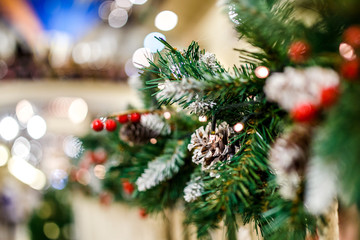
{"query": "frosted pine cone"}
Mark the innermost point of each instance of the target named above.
(289, 157)
(208, 152)
(150, 126)
(297, 86)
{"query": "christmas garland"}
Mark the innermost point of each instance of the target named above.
(272, 150)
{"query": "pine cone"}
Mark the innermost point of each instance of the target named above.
(289, 157)
(208, 152)
(136, 133)
(150, 126)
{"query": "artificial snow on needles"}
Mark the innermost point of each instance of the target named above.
(194, 189)
(210, 60)
(297, 86)
(201, 107)
(176, 90)
(155, 123)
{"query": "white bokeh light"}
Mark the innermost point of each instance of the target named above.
(138, 2)
(78, 110)
(21, 148)
(152, 43)
(118, 18)
(262, 72)
(141, 57)
(130, 69)
(202, 119)
(238, 127)
(9, 128)
(36, 127)
(105, 9)
(166, 20)
(124, 4)
(81, 53)
(27, 173)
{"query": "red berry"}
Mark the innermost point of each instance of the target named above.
(135, 117)
(352, 36)
(299, 51)
(128, 187)
(97, 125)
(123, 118)
(350, 70)
(110, 125)
(106, 198)
(99, 156)
(304, 112)
(329, 96)
(142, 213)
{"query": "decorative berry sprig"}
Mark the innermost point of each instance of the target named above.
(110, 123)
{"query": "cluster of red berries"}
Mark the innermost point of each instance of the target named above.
(307, 112)
(351, 69)
(110, 124)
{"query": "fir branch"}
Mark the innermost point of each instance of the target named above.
(262, 22)
(163, 167)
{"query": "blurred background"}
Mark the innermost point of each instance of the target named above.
(63, 63)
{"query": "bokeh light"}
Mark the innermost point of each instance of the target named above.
(36, 127)
(141, 57)
(138, 2)
(51, 230)
(58, 179)
(124, 4)
(26, 173)
(4, 155)
(99, 171)
(81, 53)
(167, 115)
(130, 69)
(347, 51)
(78, 110)
(21, 148)
(118, 18)
(105, 9)
(83, 176)
(238, 127)
(152, 43)
(24, 111)
(262, 72)
(202, 118)
(9, 128)
(166, 20)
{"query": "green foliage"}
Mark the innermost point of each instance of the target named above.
(339, 139)
(55, 210)
(164, 166)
